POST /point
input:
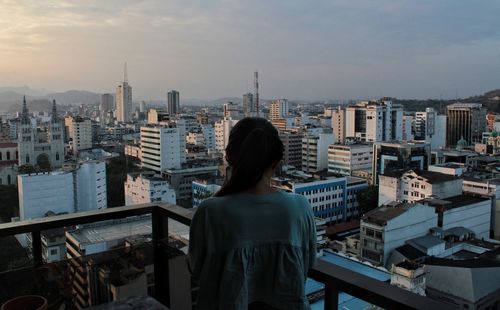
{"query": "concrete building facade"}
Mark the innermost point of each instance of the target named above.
(345, 159)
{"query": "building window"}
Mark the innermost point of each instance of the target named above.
(8, 180)
(27, 158)
(53, 252)
(8, 155)
(57, 156)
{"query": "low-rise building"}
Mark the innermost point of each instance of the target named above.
(332, 198)
(415, 185)
(74, 188)
(464, 210)
(146, 187)
(388, 227)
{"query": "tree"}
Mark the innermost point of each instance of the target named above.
(368, 198)
(26, 169)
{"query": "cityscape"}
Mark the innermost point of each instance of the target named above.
(98, 189)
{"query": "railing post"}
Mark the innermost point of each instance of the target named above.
(161, 272)
(331, 295)
(36, 245)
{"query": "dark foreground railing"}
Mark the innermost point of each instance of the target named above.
(335, 278)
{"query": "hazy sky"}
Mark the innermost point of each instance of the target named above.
(307, 49)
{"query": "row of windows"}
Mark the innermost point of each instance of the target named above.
(7, 155)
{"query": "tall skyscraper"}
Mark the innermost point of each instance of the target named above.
(465, 121)
(107, 103)
(173, 107)
(124, 100)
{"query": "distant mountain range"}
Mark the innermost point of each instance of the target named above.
(11, 100)
(40, 100)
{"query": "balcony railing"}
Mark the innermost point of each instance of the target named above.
(335, 278)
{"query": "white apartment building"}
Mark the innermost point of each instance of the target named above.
(315, 152)
(278, 109)
(75, 188)
(163, 146)
(79, 132)
(374, 121)
(222, 129)
(431, 127)
(344, 159)
(388, 227)
(124, 102)
(144, 188)
(415, 185)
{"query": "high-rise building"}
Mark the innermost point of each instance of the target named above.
(80, 133)
(465, 121)
(408, 122)
(173, 102)
(76, 188)
(222, 129)
(279, 109)
(163, 146)
(107, 103)
(338, 124)
(402, 156)
(292, 148)
(315, 152)
(374, 121)
(43, 148)
(345, 159)
(248, 104)
(124, 100)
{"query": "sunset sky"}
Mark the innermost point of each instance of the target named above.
(308, 49)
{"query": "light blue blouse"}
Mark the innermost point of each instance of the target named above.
(245, 248)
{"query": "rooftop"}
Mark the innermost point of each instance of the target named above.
(383, 214)
(453, 202)
(425, 242)
(431, 176)
(112, 230)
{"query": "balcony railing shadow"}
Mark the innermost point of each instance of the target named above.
(59, 281)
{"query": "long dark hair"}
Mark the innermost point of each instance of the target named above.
(254, 145)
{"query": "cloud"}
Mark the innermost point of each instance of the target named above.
(210, 48)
